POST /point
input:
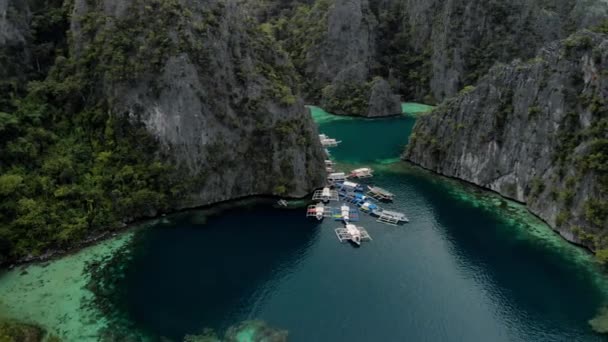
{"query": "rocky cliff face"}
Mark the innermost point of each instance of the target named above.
(117, 110)
(427, 50)
(218, 95)
(14, 52)
(27, 44)
(468, 37)
(534, 131)
(332, 44)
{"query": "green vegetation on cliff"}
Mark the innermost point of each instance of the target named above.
(72, 165)
(69, 167)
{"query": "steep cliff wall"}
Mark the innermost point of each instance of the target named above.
(332, 44)
(149, 106)
(468, 37)
(27, 44)
(220, 97)
(428, 50)
(534, 131)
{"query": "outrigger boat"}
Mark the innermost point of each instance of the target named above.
(368, 207)
(353, 234)
(364, 172)
(327, 141)
(318, 211)
(346, 213)
(336, 177)
(329, 166)
(389, 217)
(379, 193)
(325, 195)
(348, 187)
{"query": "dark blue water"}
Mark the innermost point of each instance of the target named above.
(464, 269)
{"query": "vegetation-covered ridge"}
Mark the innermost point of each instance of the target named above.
(69, 167)
(80, 152)
(535, 131)
(427, 51)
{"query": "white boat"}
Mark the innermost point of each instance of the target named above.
(326, 194)
(345, 212)
(336, 177)
(355, 234)
(380, 193)
(350, 187)
(327, 141)
(320, 211)
(364, 172)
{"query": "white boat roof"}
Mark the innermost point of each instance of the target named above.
(351, 184)
(363, 169)
(337, 174)
(352, 229)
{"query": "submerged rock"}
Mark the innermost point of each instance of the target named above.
(255, 331)
(21, 332)
(246, 331)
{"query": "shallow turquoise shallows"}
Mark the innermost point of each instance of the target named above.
(469, 267)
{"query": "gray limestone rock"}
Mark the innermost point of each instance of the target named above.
(528, 130)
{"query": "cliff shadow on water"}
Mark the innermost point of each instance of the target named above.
(195, 272)
(499, 241)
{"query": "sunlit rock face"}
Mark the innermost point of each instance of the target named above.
(217, 94)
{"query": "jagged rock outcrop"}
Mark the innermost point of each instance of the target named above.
(332, 44)
(428, 50)
(534, 131)
(13, 22)
(218, 97)
(382, 100)
(112, 111)
(470, 36)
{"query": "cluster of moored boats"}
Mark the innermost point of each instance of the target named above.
(355, 198)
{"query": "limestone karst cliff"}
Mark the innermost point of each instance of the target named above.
(535, 131)
(220, 95)
(141, 107)
(427, 50)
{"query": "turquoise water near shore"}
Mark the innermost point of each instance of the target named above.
(470, 266)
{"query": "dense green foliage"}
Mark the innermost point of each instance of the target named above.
(76, 162)
(408, 68)
(346, 98)
(21, 62)
(70, 167)
(300, 30)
